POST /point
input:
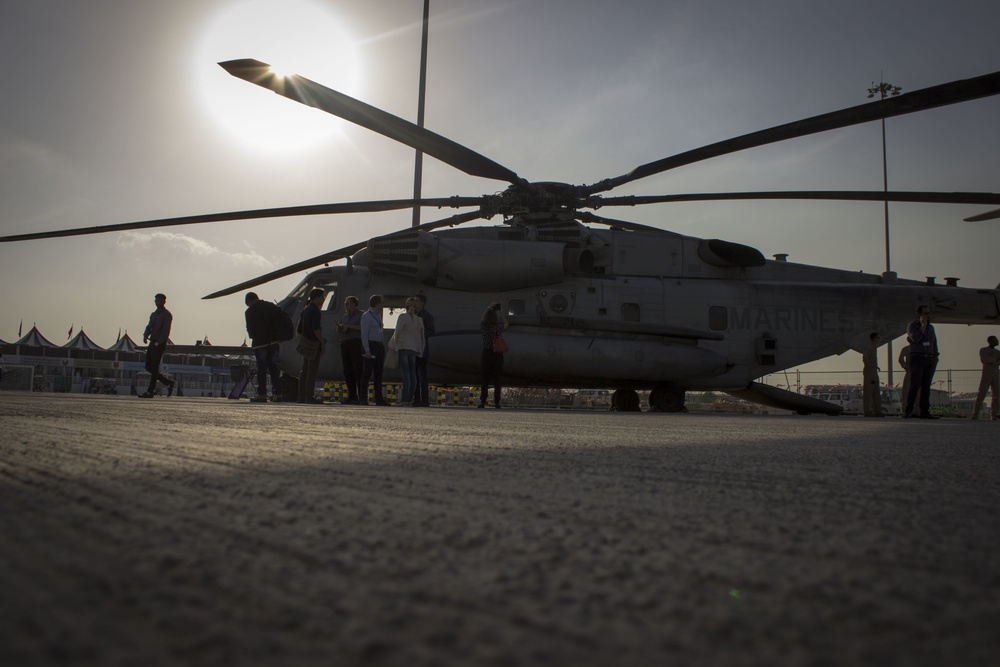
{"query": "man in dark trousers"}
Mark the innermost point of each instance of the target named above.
(422, 397)
(156, 335)
(923, 360)
(311, 327)
(349, 333)
(262, 327)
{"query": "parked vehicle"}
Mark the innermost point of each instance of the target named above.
(849, 397)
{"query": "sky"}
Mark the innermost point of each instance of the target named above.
(116, 111)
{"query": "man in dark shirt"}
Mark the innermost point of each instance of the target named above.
(157, 334)
(923, 360)
(349, 333)
(262, 327)
(422, 397)
(310, 327)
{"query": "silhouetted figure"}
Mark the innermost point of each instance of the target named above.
(923, 360)
(311, 328)
(408, 341)
(990, 380)
(373, 342)
(157, 334)
(421, 398)
(349, 334)
(490, 361)
(262, 327)
(871, 394)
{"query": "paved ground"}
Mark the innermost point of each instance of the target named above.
(209, 532)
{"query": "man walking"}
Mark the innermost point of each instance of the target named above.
(923, 360)
(262, 327)
(156, 335)
(990, 381)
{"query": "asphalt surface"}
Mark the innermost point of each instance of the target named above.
(212, 532)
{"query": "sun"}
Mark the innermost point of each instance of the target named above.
(295, 37)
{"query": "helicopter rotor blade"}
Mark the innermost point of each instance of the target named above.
(340, 253)
(985, 198)
(988, 215)
(285, 212)
(310, 93)
(919, 100)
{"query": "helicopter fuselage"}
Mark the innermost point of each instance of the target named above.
(625, 309)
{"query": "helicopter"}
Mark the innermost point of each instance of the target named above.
(597, 302)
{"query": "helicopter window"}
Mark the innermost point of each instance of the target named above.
(300, 291)
(330, 300)
(630, 312)
(718, 318)
(515, 307)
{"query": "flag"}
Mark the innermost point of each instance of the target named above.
(119, 335)
(19, 327)
(69, 334)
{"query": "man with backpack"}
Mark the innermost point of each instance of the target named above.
(263, 328)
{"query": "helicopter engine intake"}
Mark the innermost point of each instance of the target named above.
(467, 264)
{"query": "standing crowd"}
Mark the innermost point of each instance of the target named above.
(919, 359)
(363, 353)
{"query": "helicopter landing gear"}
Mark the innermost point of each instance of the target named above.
(664, 398)
(625, 400)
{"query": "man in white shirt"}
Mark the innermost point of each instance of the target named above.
(373, 343)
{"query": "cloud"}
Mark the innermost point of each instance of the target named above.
(189, 246)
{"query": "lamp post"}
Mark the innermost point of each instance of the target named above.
(418, 161)
(884, 90)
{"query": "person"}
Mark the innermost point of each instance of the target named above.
(3, 367)
(490, 361)
(904, 361)
(408, 340)
(990, 380)
(349, 334)
(373, 353)
(923, 360)
(311, 327)
(157, 334)
(871, 394)
(262, 327)
(422, 398)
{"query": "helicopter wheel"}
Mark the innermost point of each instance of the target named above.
(625, 400)
(664, 398)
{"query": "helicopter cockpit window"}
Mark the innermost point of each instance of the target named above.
(330, 300)
(630, 312)
(515, 307)
(300, 291)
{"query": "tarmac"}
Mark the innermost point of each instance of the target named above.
(189, 531)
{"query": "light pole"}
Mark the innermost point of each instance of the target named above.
(418, 161)
(884, 90)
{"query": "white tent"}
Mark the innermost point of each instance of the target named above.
(124, 344)
(83, 342)
(35, 338)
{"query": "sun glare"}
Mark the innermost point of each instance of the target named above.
(294, 37)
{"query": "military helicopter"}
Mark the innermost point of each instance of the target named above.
(596, 302)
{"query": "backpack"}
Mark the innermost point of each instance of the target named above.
(284, 328)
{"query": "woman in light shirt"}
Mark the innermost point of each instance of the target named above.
(408, 339)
